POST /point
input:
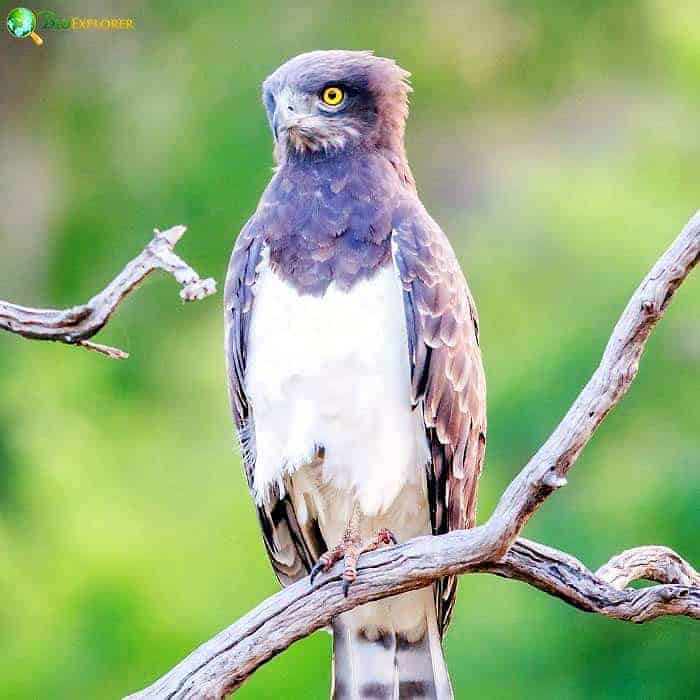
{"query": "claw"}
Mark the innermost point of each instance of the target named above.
(317, 569)
(349, 549)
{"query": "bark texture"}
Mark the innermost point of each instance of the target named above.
(75, 326)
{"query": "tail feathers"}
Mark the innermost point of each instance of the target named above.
(422, 668)
(362, 668)
(390, 667)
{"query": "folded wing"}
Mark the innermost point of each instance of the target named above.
(448, 383)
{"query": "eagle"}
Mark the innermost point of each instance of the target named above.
(353, 361)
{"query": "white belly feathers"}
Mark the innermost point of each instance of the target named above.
(333, 371)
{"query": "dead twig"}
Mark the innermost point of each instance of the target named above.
(75, 326)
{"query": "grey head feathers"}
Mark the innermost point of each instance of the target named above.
(371, 114)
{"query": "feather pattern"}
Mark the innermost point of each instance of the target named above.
(291, 553)
(447, 373)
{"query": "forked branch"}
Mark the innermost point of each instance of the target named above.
(75, 326)
(220, 665)
(606, 592)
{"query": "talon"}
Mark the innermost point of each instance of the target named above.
(317, 568)
(350, 549)
(324, 563)
(350, 573)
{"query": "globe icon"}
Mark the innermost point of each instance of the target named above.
(21, 23)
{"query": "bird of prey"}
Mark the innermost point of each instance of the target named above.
(353, 358)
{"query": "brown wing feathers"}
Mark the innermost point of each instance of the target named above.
(447, 374)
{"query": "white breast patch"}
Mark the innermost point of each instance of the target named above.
(333, 371)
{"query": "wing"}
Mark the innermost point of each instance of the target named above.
(287, 547)
(447, 375)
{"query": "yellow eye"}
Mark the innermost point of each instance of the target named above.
(333, 95)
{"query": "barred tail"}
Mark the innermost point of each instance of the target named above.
(389, 667)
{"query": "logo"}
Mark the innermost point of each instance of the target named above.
(22, 23)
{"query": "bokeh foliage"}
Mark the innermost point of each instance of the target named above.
(556, 141)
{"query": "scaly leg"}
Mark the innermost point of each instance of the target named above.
(349, 550)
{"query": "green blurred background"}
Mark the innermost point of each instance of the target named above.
(556, 141)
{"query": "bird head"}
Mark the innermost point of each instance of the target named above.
(327, 101)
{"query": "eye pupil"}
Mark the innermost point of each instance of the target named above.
(332, 96)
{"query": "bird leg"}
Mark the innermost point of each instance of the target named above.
(349, 550)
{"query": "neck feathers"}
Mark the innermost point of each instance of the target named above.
(329, 220)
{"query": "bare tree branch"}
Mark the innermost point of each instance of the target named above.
(562, 575)
(220, 665)
(659, 564)
(76, 325)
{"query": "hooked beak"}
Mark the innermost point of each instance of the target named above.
(289, 112)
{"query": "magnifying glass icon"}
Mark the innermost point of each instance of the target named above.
(21, 23)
